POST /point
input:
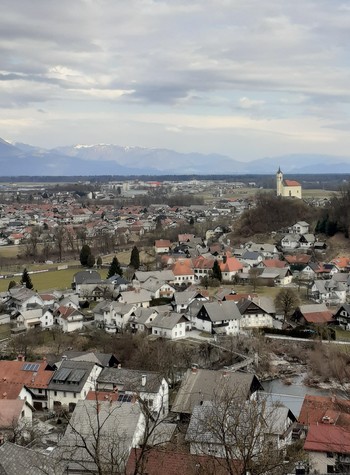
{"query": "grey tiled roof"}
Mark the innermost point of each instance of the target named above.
(77, 374)
(112, 424)
(206, 385)
(131, 379)
(16, 460)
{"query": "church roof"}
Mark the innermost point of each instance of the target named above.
(291, 183)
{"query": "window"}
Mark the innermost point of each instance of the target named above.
(40, 391)
(330, 455)
(75, 395)
(64, 394)
(22, 414)
(55, 393)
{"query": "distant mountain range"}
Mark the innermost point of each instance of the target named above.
(26, 160)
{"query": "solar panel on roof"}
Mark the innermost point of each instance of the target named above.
(124, 397)
(30, 367)
(76, 375)
(62, 374)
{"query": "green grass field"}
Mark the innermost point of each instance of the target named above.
(46, 281)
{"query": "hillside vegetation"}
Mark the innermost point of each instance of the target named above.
(273, 213)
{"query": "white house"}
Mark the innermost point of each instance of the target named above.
(169, 325)
(256, 313)
(150, 386)
(138, 297)
(69, 319)
(218, 318)
(72, 382)
(34, 318)
(112, 315)
(301, 227)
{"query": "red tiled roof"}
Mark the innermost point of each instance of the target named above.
(291, 183)
(314, 408)
(327, 438)
(102, 396)
(159, 462)
(341, 262)
(238, 297)
(162, 243)
(274, 263)
(318, 317)
(13, 378)
(232, 264)
(298, 259)
(183, 267)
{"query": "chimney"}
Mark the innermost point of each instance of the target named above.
(119, 366)
(194, 368)
(143, 380)
(4, 395)
(20, 357)
(64, 357)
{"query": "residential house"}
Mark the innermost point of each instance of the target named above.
(108, 360)
(176, 463)
(141, 319)
(342, 263)
(22, 299)
(218, 318)
(183, 272)
(230, 266)
(85, 276)
(269, 251)
(112, 315)
(307, 241)
(159, 289)
(15, 415)
(165, 275)
(301, 227)
(161, 246)
(206, 436)
(256, 312)
(150, 386)
(182, 300)
(170, 325)
(199, 385)
(69, 319)
(326, 421)
(316, 314)
(342, 316)
(290, 241)
(34, 318)
(138, 297)
(278, 276)
(15, 459)
(25, 380)
(251, 258)
(71, 382)
(120, 427)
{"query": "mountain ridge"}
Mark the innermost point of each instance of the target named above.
(109, 159)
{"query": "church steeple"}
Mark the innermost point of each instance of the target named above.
(279, 182)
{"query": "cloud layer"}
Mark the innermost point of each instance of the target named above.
(246, 79)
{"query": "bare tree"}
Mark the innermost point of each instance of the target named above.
(286, 301)
(59, 236)
(242, 435)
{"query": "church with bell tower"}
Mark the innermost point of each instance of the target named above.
(287, 188)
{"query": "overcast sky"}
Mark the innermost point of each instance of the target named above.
(246, 78)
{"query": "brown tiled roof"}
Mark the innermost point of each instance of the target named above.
(13, 377)
(159, 462)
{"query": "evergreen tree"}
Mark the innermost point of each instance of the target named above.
(114, 268)
(99, 261)
(26, 280)
(216, 271)
(12, 283)
(84, 254)
(135, 258)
